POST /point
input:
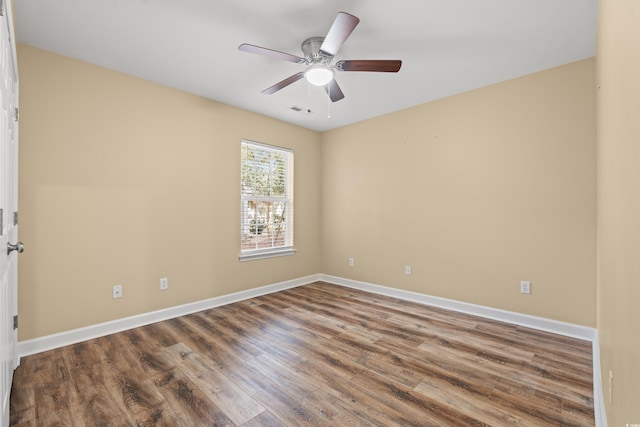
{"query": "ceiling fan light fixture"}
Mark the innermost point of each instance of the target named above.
(319, 74)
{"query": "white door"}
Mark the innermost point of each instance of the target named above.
(8, 205)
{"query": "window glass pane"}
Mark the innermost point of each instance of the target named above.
(267, 197)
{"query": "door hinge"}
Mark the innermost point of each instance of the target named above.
(1, 221)
(15, 322)
(15, 218)
(16, 114)
(1, 7)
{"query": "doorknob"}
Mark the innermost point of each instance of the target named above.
(17, 247)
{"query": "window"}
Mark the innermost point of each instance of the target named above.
(266, 212)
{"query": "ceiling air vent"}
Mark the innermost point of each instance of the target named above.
(301, 110)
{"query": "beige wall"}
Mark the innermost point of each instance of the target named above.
(618, 68)
(477, 192)
(123, 182)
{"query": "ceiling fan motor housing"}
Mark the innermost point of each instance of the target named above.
(311, 50)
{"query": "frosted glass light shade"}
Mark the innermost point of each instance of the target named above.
(318, 75)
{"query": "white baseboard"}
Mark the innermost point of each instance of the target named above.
(61, 339)
(539, 323)
(598, 392)
(49, 342)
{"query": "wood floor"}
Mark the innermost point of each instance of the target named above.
(316, 355)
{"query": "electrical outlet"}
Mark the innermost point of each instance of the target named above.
(164, 283)
(117, 291)
(407, 270)
(525, 287)
(351, 262)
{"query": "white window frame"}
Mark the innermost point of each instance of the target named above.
(247, 215)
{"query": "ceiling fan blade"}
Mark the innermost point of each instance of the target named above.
(271, 53)
(338, 33)
(384, 66)
(334, 91)
(281, 85)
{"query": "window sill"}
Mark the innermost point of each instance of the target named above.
(270, 253)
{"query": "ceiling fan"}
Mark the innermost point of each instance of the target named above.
(318, 55)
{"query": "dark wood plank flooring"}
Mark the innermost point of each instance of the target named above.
(316, 355)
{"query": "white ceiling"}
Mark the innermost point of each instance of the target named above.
(447, 46)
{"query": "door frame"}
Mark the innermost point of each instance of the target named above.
(9, 205)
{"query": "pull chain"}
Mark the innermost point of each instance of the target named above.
(329, 102)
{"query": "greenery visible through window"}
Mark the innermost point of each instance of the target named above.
(266, 200)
